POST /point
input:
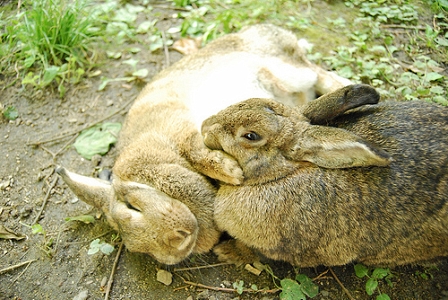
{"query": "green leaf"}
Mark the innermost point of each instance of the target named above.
(88, 219)
(37, 228)
(307, 286)
(142, 73)
(145, 26)
(383, 297)
(107, 248)
(432, 76)
(380, 273)
(291, 290)
(94, 247)
(10, 113)
(239, 286)
(361, 270)
(132, 62)
(114, 55)
(49, 74)
(371, 285)
(97, 139)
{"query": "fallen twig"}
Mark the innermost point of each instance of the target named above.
(402, 26)
(229, 290)
(21, 273)
(342, 286)
(52, 185)
(16, 266)
(165, 50)
(64, 135)
(112, 273)
(62, 148)
(200, 267)
(320, 275)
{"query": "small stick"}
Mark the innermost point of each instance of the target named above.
(64, 135)
(21, 273)
(111, 277)
(200, 267)
(16, 266)
(229, 290)
(402, 26)
(165, 50)
(342, 286)
(320, 275)
(53, 184)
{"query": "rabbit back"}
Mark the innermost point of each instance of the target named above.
(376, 215)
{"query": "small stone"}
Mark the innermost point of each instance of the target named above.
(324, 293)
(203, 295)
(25, 211)
(251, 269)
(96, 159)
(104, 281)
(82, 295)
(4, 184)
(164, 277)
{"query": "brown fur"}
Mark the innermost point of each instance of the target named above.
(159, 199)
(367, 185)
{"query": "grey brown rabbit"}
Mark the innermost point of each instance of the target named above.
(341, 179)
(161, 195)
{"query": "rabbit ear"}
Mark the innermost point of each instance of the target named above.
(334, 104)
(95, 192)
(330, 147)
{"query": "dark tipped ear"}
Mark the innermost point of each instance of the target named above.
(92, 191)
(331, 105)
(330, 147)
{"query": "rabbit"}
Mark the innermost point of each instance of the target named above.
(163, 184)
(338, 180)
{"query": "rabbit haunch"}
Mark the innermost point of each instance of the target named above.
(161, 195)
(325, 188)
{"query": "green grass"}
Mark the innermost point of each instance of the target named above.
(49, 41)
(400, 47)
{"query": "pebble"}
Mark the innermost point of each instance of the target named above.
(4, 184)
(164, 277)
(82, 295)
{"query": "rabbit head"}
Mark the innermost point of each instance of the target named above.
(264, 135)
(148, 220)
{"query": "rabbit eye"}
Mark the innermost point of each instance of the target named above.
(130, 206)
(252, 136)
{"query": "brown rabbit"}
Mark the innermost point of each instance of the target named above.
(159, 199)
(327, 187)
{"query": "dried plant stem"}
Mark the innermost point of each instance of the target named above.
(229, 290)
(342, 286)
(201, 267)
(52, 185)
(112, 273)
(16, 266)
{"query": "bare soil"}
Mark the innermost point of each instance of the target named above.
(59, 266)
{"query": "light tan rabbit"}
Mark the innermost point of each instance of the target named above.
(327, 187)
(159, 199)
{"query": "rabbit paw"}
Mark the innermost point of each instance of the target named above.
(235, 252)
(225, 168)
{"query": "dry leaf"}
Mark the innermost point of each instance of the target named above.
(187, 46)
(6, 233)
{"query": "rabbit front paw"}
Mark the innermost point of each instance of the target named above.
(225, 168)
(235, 252)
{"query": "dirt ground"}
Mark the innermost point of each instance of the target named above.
(58, 266)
